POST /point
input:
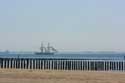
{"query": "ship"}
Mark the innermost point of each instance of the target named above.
(49, 50)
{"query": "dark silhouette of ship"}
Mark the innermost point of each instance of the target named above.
(49, 50)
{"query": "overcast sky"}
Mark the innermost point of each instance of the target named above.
(88, 25)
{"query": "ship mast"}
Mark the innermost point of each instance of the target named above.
(50, 49)
(47, 49)
(42, 48)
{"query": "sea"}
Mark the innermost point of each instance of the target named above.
(89, 56)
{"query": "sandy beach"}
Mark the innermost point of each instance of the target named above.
(38, 76)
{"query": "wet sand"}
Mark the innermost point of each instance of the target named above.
(38, 76)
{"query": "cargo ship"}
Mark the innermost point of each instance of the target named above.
(49, 50)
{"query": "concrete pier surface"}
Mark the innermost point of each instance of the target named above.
(47, 76)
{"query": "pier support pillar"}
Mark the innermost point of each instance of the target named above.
(43, 65)
(115, 65)
(15, 62)
(31, 63)
(3, 64)
(48, 64)
(35, 64)
(64, 64)
(6, 63)
(20, 64)
(123, 65)
(40, 64)
(87, 65)
(9, 63)
(71, 65)
(103, 65)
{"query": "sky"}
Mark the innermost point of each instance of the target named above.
(69, 25)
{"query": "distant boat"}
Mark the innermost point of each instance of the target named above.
(49, 50)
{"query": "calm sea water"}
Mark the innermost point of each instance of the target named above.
(112, 56)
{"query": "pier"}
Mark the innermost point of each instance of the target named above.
(62, 64)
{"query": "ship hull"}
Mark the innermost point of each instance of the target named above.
(39, 53)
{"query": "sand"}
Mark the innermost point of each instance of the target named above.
(39, 76)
